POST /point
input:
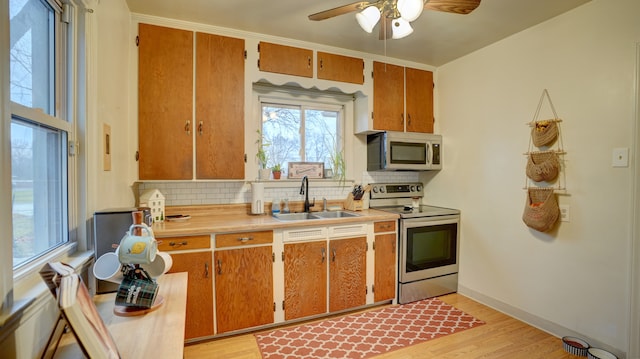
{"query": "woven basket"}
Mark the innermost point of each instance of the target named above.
(543, 166)
(544, 132)
(541, 211)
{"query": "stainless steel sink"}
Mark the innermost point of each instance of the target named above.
(294, 216)
(335, 214)
(314, 215)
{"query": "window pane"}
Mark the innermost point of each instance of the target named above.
(321, 131)
(39, 189)
(281, 130)
(32, 53)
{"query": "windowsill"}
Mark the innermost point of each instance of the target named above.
(295, 182)
(30, 288)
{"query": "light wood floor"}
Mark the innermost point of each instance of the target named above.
(501, 337)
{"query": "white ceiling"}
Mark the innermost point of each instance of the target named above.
(438, 37)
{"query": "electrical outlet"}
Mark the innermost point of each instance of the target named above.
(620, 157)
(564, 212)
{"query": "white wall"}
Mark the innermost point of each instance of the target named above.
(108, 83)
(576, 277)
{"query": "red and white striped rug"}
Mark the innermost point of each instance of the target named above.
(367, 334)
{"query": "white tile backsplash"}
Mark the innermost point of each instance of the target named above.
(234, 192)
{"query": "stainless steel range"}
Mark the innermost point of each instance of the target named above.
(429, 241)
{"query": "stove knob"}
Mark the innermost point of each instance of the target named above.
(413, 188)
(375, 189)
(382, 190)
(419, 188)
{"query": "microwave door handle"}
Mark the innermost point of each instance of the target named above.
(428, 154)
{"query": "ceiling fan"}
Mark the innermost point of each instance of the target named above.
(396, 14)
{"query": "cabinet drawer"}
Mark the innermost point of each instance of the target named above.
(243, 238)
(182, 243)
(388, 226)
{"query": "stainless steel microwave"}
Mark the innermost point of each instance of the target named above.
(398, 151)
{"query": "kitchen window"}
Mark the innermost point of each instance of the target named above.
(301, 132)
(40, 129)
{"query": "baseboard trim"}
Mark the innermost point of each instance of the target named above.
(533, 320)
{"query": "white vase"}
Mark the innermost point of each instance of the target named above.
(264, 174)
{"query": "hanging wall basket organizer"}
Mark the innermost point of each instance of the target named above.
(541, 210)
(545, 165)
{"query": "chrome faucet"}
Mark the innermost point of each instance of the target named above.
(304, 189)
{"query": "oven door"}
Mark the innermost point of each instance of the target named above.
(429, 247)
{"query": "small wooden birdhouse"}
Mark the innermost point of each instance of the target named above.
(153, 199)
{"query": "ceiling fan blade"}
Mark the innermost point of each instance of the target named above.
(340, 10)
(455, 6)
(385, 28)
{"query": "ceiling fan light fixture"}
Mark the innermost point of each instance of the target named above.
(368, 18)
(410, 9)
(400, 28)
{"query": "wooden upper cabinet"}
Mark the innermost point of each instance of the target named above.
(167, 127)
(388, 97)
(419, 100)
(285, 59)
(219, 121)
(340, 68)
(402, 99)
(165, 103)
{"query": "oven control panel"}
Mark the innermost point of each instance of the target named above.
(396, 190)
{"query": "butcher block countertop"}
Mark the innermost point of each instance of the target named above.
(232, 218)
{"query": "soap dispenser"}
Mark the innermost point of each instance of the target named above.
(275, 206)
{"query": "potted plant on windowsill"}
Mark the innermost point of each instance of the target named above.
(277, 171)
(262, 157)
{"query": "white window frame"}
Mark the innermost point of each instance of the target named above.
(16, 285)
(297, 96)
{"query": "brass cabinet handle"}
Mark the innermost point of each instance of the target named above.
(200, 128)
(402, 118)
(321, 65)
(408, 119)
(206, 269)
(323, 251)
(308, 62)
(173, 244)
(333, 259)
(245, 239)
(187, 127)
(219, 267)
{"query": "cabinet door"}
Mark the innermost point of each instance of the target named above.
(388, 97)
(219, 107)
(419, 99)
(305, 279)
(244, 288)
(347, 273)
(285, 59)
(199, 321)
(384, 282)
(165, 103)
(340, 68)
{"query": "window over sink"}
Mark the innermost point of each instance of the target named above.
(303, 126)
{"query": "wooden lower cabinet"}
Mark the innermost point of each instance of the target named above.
(347, 273)
(199, 320)
(384, 281)
(244, 288)
(305, 279)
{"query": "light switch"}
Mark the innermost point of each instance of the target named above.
(620, 157)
